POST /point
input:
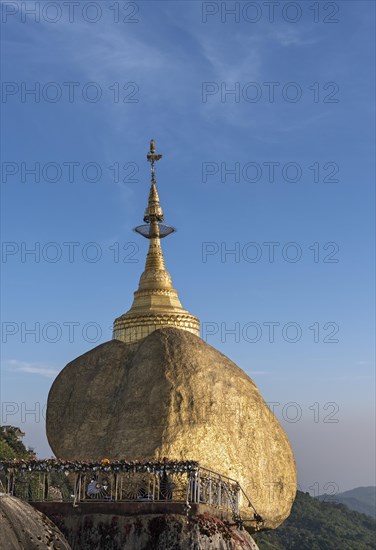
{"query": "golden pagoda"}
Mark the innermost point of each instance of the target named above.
(157, 390)
(156, 303)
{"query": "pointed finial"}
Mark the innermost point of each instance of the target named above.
(153, 212)
(152, 158)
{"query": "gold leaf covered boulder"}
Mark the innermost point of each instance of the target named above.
(173, 395)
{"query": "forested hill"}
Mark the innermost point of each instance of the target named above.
(317, 525)
(360, 499)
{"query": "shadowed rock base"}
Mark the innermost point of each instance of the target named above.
(152, 532)
(24, 528)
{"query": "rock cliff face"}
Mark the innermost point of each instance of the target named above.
(22, 527)
(173, 395)
(154, 532)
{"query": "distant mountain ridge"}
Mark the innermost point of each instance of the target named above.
(360, 499)
(315, 524)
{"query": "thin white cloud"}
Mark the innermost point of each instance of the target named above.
(32, 368)
(292, 37)
(225, 67)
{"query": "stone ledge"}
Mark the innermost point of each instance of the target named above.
(145, 526)
(128, 508)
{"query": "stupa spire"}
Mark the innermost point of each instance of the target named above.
(156, 303)
(153, 211)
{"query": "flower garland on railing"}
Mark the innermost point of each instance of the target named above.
(104, 465)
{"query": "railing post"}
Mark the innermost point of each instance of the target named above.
(46, 486)
(210, 490)
(116, 486)
(189, 488)
(83, 487)
(154, 485)
(77, 489)
(237, 498)
(80, 488)
(198, 487)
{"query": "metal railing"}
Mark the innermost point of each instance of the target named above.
(62, 481)
(159, 483)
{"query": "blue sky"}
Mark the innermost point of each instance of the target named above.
(103, 89)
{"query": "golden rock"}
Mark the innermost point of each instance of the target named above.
(173, 395)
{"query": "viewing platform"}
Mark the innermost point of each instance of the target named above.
(126, 488)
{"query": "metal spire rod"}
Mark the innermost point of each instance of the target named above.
(153, 158)
(153, 214)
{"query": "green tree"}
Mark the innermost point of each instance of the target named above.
(6, 452)
(11, 445)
